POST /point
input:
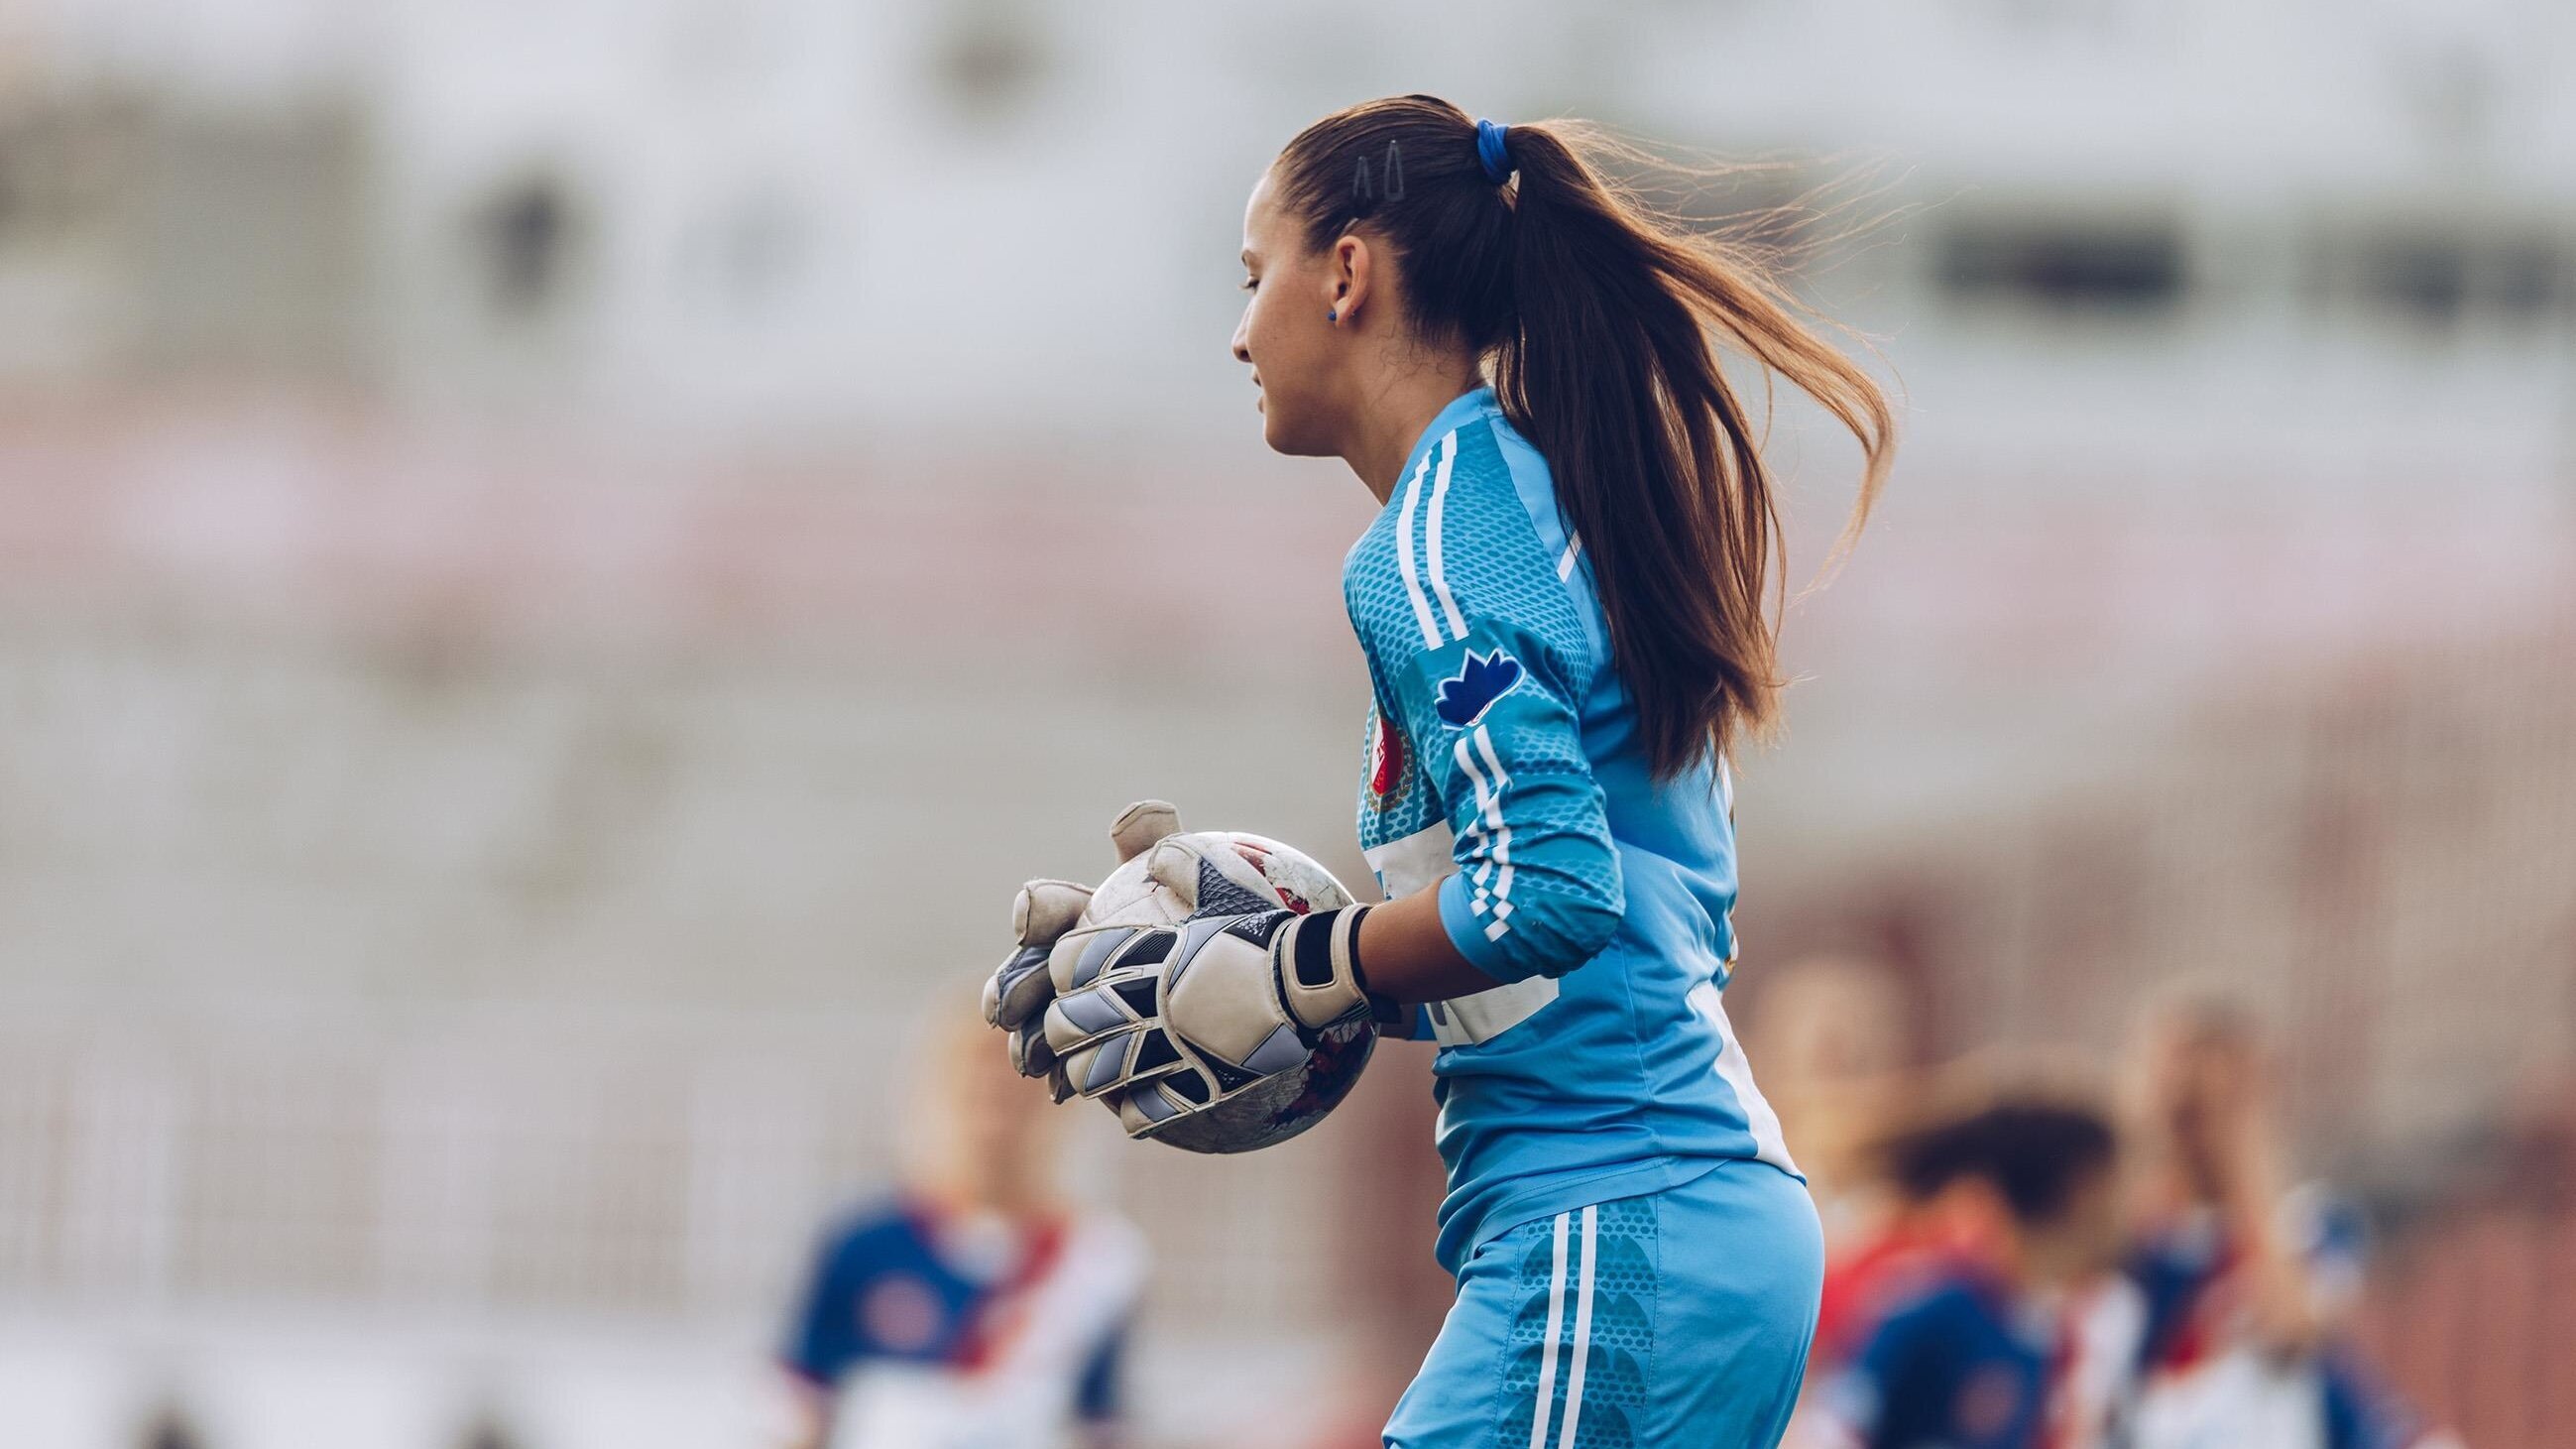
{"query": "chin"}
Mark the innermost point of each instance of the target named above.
(1285, 441)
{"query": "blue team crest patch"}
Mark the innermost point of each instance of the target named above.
(1481, 679)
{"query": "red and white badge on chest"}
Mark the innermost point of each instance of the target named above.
(1387, 761)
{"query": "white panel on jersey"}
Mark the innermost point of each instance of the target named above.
(1731, 1064)
(1474, 1020)
(1418, 862)
(1414, 862)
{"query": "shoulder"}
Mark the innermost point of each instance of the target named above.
(1476, 545)
(1938, 1310)
(874, 1234)
(1497, 493)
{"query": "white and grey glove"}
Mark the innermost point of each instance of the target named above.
(1223, 1012)
(1180, 982)
(1016, 996)
(1161, 1020)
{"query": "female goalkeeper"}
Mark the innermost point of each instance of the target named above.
(1562, 604)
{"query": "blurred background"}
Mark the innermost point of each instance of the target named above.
(559, 559)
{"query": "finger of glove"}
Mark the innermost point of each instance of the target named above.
(1018, 989)
(1079, 957)
(1046, 909)
(1145, 1109)
(1031, 1056)
(1140, 825)
(1181, 865)
(1175, 866)
(1057, 1086)
(1102, 1066)
(1078, 1019)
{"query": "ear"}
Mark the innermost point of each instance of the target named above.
(1350, 276)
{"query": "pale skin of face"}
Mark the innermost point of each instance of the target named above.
(1341, 375)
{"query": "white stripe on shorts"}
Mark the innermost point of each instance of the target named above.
(1547, 1354)
(1582, 1341)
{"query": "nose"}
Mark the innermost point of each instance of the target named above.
(1242, 341)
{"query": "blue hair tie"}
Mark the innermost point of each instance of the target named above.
(1493, 148)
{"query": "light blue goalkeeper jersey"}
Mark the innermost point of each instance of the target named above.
(1504, 767)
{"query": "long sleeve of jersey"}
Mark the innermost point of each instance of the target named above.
(1489, 686)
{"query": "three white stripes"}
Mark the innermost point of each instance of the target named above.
(1496, 833)
(1582, 1346)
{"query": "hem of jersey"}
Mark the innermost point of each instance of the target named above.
(1516, 1209)
(1467, 932)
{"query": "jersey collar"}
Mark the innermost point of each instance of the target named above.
(1463, 409)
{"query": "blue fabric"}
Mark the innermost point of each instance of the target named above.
(881, 1290)
(1493, 150)
(1096, 1399)
(1949, 1369)
(1693, 1331)
(2179, 1269)
(1504, 771)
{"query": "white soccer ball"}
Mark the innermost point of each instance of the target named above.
(1264, 873)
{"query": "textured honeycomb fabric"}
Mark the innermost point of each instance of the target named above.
(1619, 1332)
(1481, 660)
(1501, 769)
(1680, 1317)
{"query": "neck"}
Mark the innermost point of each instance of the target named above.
(1396, 415)
(1005, 1195)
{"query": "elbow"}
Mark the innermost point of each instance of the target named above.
(1573, 921)
(1584, 930)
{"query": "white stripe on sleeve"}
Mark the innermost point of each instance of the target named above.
(1573, 550)
(1502, 831)
(1493, 835)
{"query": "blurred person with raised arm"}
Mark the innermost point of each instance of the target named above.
(973, 1308)
(2246, 1281)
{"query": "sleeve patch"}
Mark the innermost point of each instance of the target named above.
(1481, 679)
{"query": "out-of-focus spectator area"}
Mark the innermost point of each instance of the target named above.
(559, 561)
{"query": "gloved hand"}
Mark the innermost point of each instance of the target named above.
(1016, 996)
(1192, 986)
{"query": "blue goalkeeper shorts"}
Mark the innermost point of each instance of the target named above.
(1677, 1318)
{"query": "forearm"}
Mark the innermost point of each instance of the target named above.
(805, 1413)
(2286, 1308)
(1408, 957)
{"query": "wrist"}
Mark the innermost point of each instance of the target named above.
(1317, 972)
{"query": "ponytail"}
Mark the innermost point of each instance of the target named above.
(1596, 318)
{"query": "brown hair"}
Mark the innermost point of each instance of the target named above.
(1595, 315)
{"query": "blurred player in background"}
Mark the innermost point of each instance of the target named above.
(2246, 1284)
(973, 1309)
(1564, 606)
(1971, 1331)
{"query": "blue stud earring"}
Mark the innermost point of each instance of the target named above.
(1334, 315)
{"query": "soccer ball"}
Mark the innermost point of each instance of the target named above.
(1234, 872)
